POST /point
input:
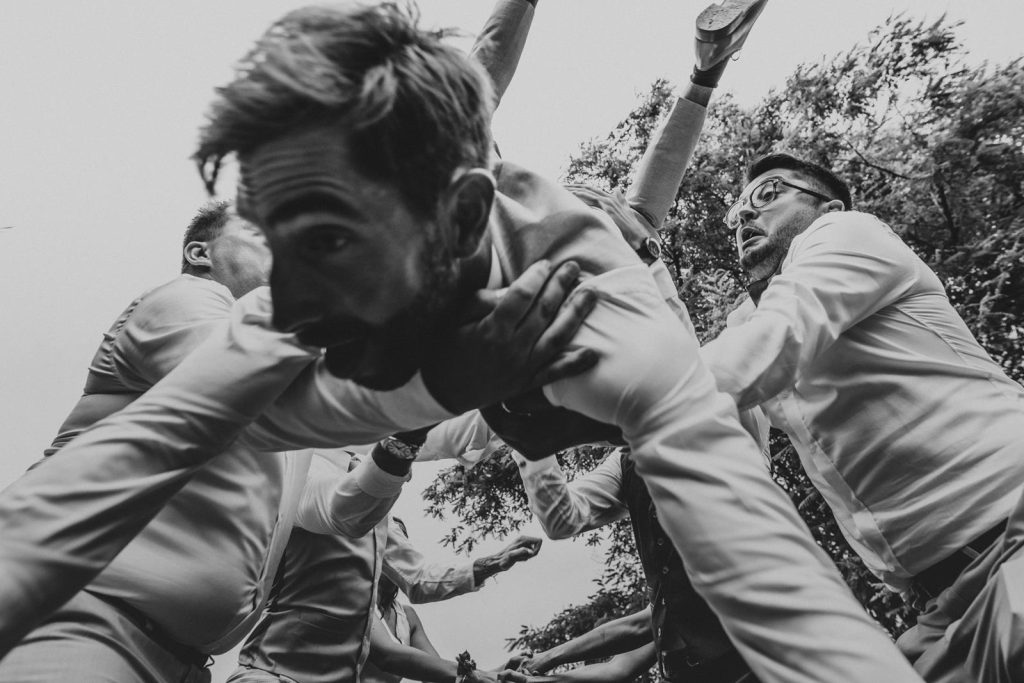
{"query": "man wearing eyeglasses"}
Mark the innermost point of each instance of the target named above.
(912, 433)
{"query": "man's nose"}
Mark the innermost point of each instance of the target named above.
(746, 213)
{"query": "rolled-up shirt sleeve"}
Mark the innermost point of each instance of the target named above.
(346, 503)
(565, 509)
(843, 268)
(419, 579)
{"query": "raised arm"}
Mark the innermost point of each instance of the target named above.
(565, 509)
(610, 638)
(721, 33)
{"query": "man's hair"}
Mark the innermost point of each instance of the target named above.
(826, 181)
(205, 226)
(414, 108)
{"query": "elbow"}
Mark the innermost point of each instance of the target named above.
(353, 528)
(556, 532)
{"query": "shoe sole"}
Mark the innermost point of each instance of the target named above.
(719, 20)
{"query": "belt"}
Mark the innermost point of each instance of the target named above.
(727, 668)
(942, 574)
(186, 653)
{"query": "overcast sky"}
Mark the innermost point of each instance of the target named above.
(100, 105)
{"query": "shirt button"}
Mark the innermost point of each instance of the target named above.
(660, 541)
(664, 570)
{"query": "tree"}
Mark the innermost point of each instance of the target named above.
(930, 144)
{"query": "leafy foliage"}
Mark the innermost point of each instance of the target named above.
(931, 145)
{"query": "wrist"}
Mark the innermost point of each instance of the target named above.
(484, 568)
(388, 459)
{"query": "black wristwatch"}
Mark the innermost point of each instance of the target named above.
(399, 449)
(649, 250)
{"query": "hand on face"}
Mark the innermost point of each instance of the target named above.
(517, 342)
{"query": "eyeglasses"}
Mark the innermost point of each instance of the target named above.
(762, 195)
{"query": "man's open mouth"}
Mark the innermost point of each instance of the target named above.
(748, 235)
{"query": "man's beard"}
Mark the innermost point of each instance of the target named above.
(763, 260)
(388, 355)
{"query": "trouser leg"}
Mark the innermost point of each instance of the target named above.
(975, 630)
(89, 641)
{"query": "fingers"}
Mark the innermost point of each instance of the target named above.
(520, 554)
(568, 364)
(529, 543)
(561, 331)
(518, 301)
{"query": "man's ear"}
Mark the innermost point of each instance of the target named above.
(197, 255)
(466, 208)
(834, 205)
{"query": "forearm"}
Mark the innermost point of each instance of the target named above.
(611, 638)
(620, 669)
(319, 410)
(419, 579)
(500, 44)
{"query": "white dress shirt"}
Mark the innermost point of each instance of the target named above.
(912, 433)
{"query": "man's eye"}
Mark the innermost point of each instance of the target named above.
(325, 242)
(767, 194)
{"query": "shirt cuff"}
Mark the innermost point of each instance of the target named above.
(375, 482)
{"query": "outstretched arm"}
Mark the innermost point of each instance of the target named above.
(409, 662)
(425, 581)
(619, 669)
(610, 638)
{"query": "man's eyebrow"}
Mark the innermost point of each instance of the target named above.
(309, 203)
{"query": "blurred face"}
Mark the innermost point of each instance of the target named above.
(239, 257)
(354, 270)
(763, 233)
